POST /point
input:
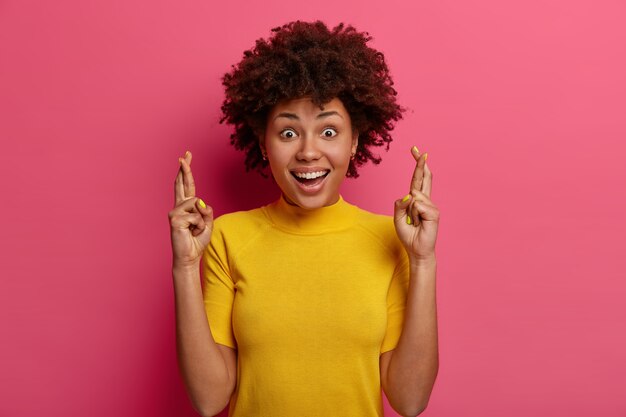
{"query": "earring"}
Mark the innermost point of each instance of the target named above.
(356, 146)
(264, 156)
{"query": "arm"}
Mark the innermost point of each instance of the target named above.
(409, 371)
(208, 369)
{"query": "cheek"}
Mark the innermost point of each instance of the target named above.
(340, 156)
(278, 156)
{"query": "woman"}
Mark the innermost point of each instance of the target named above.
(311, 304)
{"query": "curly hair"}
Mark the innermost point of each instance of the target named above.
(307, 59)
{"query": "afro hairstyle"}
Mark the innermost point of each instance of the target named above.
(307, 59)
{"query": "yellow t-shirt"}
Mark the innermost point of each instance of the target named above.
(310, 299)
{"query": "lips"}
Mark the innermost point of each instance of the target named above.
(311, 185)
(304, 170)
(309, 175)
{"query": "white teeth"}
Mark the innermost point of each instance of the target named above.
(309, 175)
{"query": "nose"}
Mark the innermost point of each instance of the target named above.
(309, 150)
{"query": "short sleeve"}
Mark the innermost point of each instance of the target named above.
(396, 303)
(218, 289)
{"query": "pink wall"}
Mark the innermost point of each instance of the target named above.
(520, 104)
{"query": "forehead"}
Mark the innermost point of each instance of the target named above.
(304, 106)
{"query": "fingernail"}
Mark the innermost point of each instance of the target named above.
(408, 219)
(201, 203)
(416, 150)
(425, 156)
(406, 197)
(186, 153)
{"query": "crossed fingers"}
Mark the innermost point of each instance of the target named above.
(185, 186)
(422, 176)
(421, 183)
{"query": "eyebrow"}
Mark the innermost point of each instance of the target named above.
(294, 116)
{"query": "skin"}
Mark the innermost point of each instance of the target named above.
(408, 372)
(299, 134)
(191, 223)
(418, 237)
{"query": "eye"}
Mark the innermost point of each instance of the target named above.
(329, 132)
(288, 133)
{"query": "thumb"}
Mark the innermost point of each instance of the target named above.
(400, 206)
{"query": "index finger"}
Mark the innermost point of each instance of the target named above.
(188, 182)
(418, 173)
(179, 190)
(428, 181)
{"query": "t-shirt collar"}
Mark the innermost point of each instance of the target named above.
(295, 219)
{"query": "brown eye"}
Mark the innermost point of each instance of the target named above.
(288, 133)
(329, 132)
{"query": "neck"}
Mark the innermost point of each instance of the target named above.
(289, 216)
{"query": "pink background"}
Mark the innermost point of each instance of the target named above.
(520, 105)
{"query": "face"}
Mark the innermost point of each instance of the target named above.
(309, 150)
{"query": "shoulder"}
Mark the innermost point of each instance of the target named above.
(380, 225)
(375, 220)
(234, 231)
(241, 222)
(381, 228)
(236, 217)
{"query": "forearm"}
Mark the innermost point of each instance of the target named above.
(201, 363)
(414, 364)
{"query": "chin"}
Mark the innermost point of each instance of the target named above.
(309, 202)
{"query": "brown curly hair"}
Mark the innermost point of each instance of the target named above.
(308, 59)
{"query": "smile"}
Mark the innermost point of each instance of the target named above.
(309, 175)
(310, 182)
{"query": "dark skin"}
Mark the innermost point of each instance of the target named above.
(191, 223)
(417, 218)
(408, 372)
(191, 227)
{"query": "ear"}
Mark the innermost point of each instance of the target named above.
(355, 141)
(261, 139)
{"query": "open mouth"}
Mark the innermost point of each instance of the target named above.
(310, 179)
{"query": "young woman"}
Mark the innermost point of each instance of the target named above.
(310, 305)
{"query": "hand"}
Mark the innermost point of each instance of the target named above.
(417, 218)
(191, 223)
